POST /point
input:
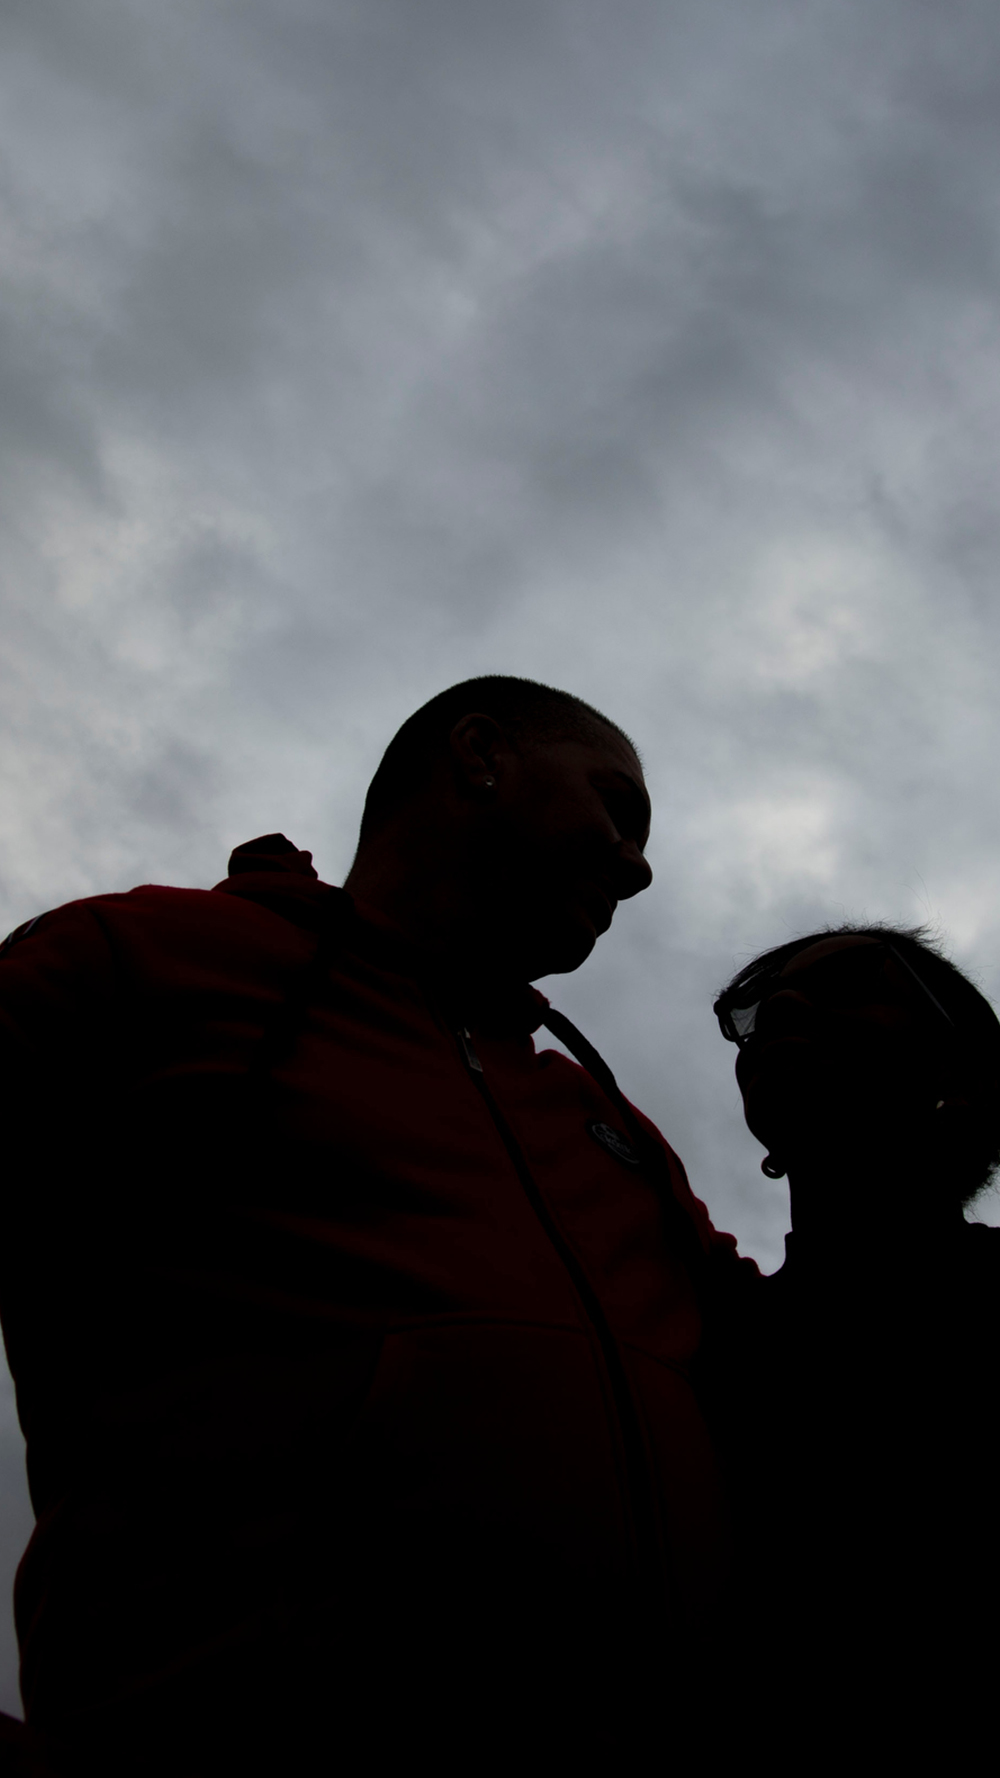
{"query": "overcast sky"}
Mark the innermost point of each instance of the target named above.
(645, 347)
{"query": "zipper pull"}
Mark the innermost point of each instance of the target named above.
(472, 1061)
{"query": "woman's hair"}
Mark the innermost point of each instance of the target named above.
(975, 1154)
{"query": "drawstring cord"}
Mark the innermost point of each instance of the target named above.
(282, 1027)
(653, 1158)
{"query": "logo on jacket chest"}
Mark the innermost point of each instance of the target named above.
(615, 1143)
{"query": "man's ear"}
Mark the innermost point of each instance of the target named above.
(480, 753)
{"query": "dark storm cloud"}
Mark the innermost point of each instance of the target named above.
(350, 349)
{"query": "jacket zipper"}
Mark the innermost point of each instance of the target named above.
(637, 1474)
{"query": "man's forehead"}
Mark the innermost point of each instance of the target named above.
(598, 752)
(613, 750)
(612, 757)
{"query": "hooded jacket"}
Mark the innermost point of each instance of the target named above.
(340, 1317)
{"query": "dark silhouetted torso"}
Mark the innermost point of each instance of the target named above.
(322, 1435)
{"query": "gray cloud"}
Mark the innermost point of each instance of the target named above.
(349, 349)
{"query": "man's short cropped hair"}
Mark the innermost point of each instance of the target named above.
(529, 714)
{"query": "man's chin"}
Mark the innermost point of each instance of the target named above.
(563, 952)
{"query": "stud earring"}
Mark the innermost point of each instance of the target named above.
(489, 783)
(772, 1168)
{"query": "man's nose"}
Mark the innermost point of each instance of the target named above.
(633, 872)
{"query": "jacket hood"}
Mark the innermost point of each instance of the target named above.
(271, 852)
(276, 875)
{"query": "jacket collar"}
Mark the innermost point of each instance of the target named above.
(274, 873)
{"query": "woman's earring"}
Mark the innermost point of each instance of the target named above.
(489, 783)
(772, 1168)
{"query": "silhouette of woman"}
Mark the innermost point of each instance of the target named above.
(863, 1375)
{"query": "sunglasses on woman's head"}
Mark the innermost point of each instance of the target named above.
(846, 977)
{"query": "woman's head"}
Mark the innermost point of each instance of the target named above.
(863, 1046)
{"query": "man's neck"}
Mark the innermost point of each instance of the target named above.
(422, 897)
(436, 913)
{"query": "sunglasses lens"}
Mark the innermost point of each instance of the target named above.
(838, 980)
(742, 1019)
(847, 977)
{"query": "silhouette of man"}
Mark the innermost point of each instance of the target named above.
(353, 1336)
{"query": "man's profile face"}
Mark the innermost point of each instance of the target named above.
(568, 847)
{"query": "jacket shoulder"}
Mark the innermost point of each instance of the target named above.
(719, 1247)
(63, 970)
(86, 926)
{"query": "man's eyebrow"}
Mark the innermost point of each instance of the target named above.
(639, 796)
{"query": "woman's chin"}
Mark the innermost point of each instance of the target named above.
(793, 1115)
